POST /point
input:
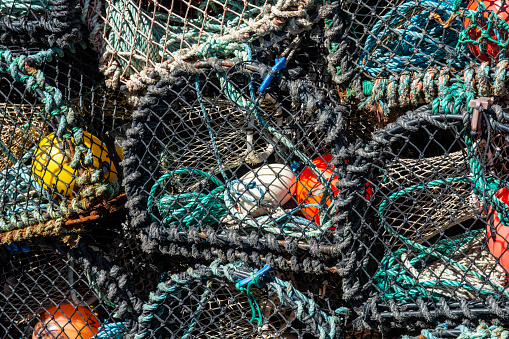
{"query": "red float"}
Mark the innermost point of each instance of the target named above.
(66, 321)
(492, 50)
(308, 185)
(498, 243)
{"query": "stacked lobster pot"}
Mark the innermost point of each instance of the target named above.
(257, 169)
(173, 172)
(430, 243)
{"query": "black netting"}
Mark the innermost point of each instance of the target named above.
(211, 160)
(42, 23)
(431, 241)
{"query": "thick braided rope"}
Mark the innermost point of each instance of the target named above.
(305, 308)
(52, 23)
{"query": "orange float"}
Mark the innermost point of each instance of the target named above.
(492, 49)
(308, 185)
(66, 321)
(498, 243)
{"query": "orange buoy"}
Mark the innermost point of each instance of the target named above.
(491, 49)
(66, 321)
(498, 242)
(308, 185)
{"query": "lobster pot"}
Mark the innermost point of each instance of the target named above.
(207, 153)
(47, 287)
(439, 207)
(204, 302)
(139, 40)
(61, 134)
(429, 238)
(40, 23)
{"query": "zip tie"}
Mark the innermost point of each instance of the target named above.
(280, 64)
(265, 269)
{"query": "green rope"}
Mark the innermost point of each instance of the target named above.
(188, 208)
(490, 23)
(255, 308)
(393, 280)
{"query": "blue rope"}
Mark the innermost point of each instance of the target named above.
(423, 40)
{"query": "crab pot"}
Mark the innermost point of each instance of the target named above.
(428, 257)
(214, 306)
(61, 134)
(209, 153)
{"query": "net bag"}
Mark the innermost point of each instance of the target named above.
(58, 131)
(394, 55)
(228, 301)
(446, 273)
(241, 185)
(138, 38)
(42, 23)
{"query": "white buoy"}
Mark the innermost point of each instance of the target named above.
(264, 189)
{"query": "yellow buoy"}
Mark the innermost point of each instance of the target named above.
(52, 164)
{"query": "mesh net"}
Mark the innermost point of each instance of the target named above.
(206, 301)
(209, 156)
(434, 246)
(249, 131)
(138, 36)
(58, 134)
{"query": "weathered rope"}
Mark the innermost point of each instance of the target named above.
(306, 310)
(40, 209)
(163, 40)
(52, 23)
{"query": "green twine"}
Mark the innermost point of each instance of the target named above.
(255, 308)
(392, 279)
(188, 208)
(491, 22)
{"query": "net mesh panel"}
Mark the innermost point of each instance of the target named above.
(425, 240)
(106, 274)
(43, 23)
(136, 35)
(202, 163)
(205, 302)
(53, 101)
(390, 56)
